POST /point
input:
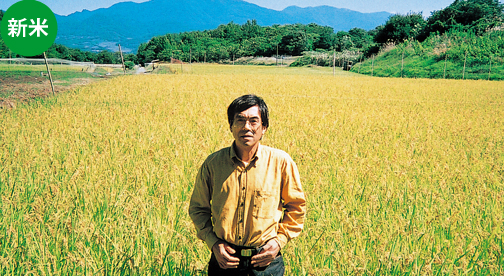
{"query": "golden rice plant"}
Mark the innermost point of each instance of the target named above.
(402, 176)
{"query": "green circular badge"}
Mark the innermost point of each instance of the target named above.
(29, 28)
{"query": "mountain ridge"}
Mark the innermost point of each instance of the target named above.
(130, 23)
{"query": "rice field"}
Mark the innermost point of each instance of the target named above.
(402, 176)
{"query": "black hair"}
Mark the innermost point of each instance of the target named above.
(245, 102)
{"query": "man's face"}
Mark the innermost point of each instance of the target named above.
(247, 128)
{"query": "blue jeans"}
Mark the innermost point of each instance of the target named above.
(275, 268)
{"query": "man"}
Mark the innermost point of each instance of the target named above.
(247, 201)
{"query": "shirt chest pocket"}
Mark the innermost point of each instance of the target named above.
(265, 204)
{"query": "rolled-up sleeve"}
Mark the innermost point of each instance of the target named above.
(200, 208)
(294, 204)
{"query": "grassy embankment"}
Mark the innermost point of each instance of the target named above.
(455, 55)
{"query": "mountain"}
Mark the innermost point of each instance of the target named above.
(339, 19)
(130, 23)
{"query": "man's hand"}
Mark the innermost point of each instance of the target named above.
(267, 255)
(222, 252)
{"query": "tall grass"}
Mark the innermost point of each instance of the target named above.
(402, 176)
(453, 55)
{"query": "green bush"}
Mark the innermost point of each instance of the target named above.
(129, 65)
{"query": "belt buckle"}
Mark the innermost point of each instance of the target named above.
(246, 252)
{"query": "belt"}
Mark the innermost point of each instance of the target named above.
(245, 254)
(245, 251)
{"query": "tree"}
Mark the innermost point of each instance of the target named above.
(478, 15)
(230, 31)
(146, 53)
(251, 30)
(343, 41)
(296, 43)
(4, 51)
(106, 57)
(257, 46)
(77, 55)
(131, 58)
(399, 28)
(324, 37)
(360, 37)
(216, 54)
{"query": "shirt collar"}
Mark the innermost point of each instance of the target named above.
(233, 155)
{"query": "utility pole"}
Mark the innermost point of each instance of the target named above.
(49, 73)
(334, 64)
(122, 60)
(276, 59)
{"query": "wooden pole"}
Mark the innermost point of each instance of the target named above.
(122, 60)
(360, 63)
(372, 66)
(465, 61)
(49, 73)
(402, 63)
(276, 59)
(490, 70)
(334, 64)
(444, 72)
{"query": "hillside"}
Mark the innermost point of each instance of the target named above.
(461, 41)
(131, 23)
(453, 55)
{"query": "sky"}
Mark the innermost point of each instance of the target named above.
(65, 7)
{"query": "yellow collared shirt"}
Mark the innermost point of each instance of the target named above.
(248, 205)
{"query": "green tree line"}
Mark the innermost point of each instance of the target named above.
(232, 41)
(474, 16)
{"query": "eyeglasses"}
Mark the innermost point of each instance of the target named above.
(242, 121)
